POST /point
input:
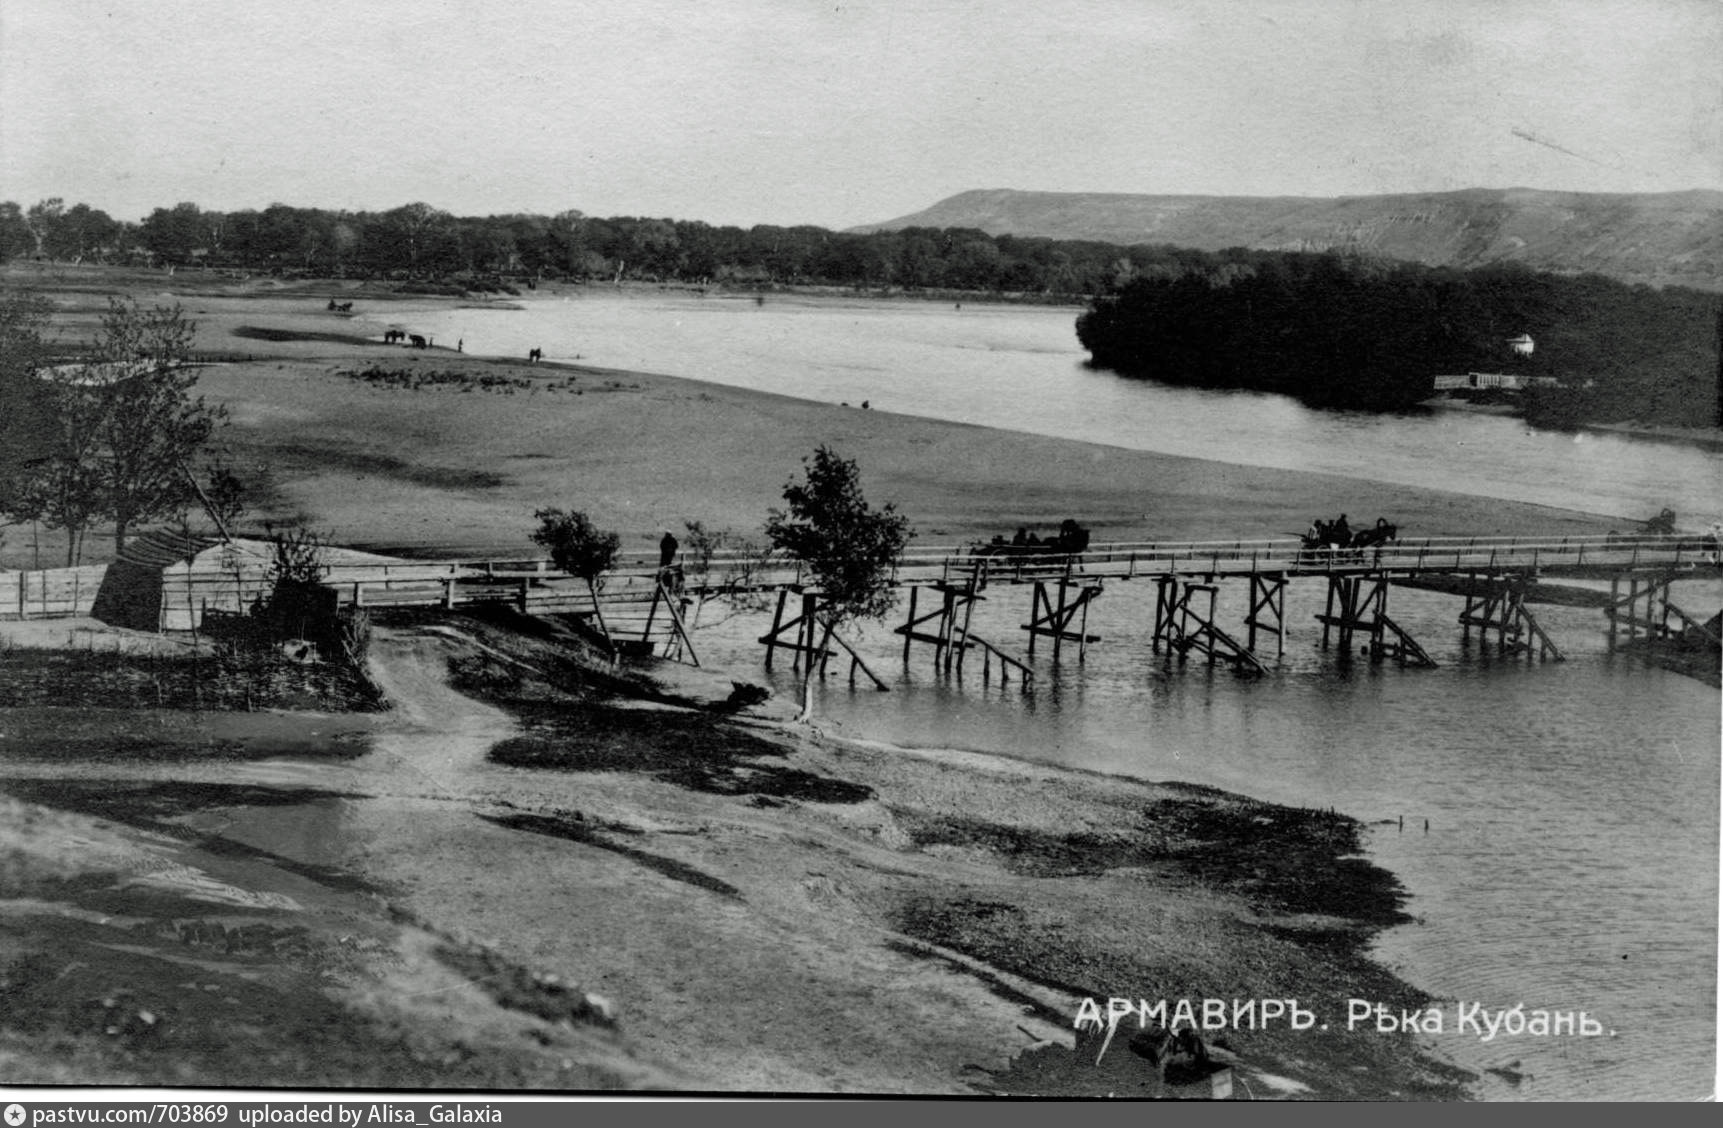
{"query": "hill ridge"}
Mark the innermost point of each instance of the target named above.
(1661, 238)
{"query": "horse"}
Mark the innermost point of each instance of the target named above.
(417, 341)
(535, 356)
(1073, 538)
(1381, 534)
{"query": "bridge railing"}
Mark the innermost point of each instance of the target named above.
(537, 584)
(932, 563)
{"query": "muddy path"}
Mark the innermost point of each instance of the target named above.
(206, 918)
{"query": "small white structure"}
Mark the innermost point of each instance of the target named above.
(1521, 345)
(1506, 381)
(98, 374)
(166, 581)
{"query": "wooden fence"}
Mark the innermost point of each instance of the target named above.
(53, 593)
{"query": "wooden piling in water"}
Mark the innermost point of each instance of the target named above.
(777, 625)
(909, 623)
(1614, 602)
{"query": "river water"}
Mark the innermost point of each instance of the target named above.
(1570, 860)
(1020, 368)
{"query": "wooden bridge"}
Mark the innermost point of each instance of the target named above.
(1499, 578)
(639, 608)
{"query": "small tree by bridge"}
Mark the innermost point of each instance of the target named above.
(578, 547)
(850, 548)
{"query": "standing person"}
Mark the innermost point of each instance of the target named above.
(667, 550)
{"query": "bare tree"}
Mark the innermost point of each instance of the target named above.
(720, 565)
(152, 427)
(66, 488)
(42, 217)
(416, 225)
(119, 433)
(27, 415)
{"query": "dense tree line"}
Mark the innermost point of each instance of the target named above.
(1330, 329)
(1347, 332)
(417, 241)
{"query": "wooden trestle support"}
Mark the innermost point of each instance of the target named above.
(1653, 620)
(634, 624)
(810, 629)
(951, 637)
(1052, 618)
(1267, 609)
(1184, 620)
(1358, 603)
(679, 643)
(1498, 602)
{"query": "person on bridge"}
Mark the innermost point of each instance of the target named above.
(1342, 534)
(670, 573)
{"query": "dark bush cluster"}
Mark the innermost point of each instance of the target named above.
(1345, 332)
(413, 379)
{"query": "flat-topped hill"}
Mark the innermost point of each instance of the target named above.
(1661, 239)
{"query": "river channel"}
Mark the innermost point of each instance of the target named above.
(1020, 368)
(1570, 860)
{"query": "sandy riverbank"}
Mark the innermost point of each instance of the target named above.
(518, 881)
(451, 467)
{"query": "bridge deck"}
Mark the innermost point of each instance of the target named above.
(1421, 562)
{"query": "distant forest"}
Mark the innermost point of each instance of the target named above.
(1353, 333)
(1332, 329)
(420, 243)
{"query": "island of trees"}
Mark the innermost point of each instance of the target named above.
(1347, 332)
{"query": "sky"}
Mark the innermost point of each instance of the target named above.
(843, 113)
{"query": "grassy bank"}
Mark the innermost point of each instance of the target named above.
(215, 679)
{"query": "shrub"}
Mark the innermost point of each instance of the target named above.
(575, 544)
